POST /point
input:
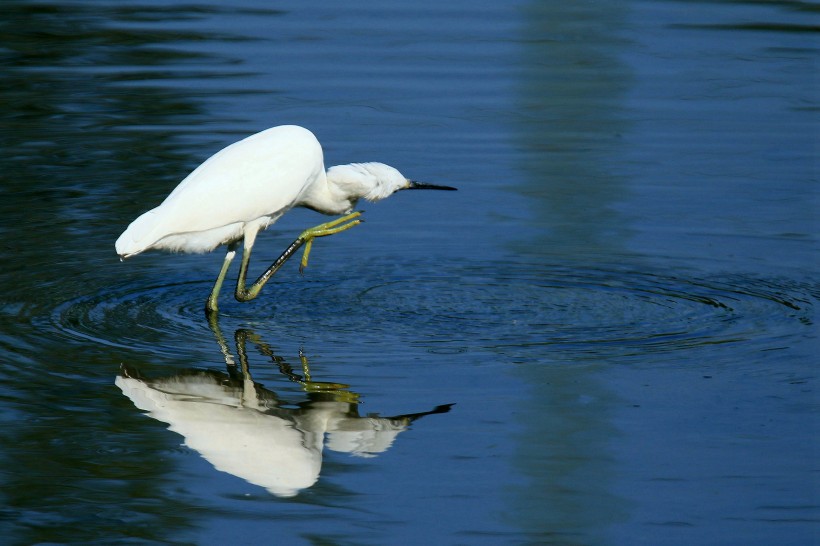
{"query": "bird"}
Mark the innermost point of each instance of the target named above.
(247, 430)
(247, 186)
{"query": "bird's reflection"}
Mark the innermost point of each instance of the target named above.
(244, 429)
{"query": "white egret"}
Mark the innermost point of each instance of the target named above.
(247, 186)
(241, 428)
(244, 429)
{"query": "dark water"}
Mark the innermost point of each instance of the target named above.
(620, 301)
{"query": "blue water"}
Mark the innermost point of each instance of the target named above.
(606, 336)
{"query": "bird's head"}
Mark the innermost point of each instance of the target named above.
(373, 181)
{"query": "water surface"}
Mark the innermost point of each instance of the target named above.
(607, 336)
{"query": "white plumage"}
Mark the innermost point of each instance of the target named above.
(250, 184)
(241, 430)
(244, 183)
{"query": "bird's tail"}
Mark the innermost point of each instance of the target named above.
(137, 237)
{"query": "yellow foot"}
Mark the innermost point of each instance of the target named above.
(323, 230)
(337, 390)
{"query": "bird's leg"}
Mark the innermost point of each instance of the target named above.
(247, 293)
(328, 228)
(211, 306)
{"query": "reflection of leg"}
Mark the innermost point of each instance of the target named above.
(240, 337)
(250, 396)
(213, 322)
(266, 350)
(338, 390)
(305, 365)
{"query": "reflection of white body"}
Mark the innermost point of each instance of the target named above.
(242, 431)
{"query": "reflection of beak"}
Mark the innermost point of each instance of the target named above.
(422, 186)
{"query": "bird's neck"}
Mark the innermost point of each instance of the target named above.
(328, 196)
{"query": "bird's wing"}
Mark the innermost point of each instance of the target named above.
(262, 175)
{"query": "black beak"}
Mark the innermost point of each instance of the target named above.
(422, 186)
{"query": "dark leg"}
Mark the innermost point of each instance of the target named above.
(211, 306)
(245, 293)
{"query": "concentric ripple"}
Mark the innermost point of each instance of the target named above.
(149, 317)
(595, 311)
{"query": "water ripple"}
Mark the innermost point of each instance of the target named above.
(132, 317)
(595, 311)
